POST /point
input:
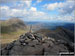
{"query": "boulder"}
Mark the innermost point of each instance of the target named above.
(34, 42)
(26, 50)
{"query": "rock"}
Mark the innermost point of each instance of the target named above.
(55, 49)
(61, 41)
(27, 50)
(38, 37)
(24, 44)
(22, 39)
(51, 43)
(48, 51)
(4, 52)
(28, 40)
(30, 36)
(17, 43)
(50, 38)
(44, 38)
(46, 45)
(34, 44)
(9, 46)
(16, 50)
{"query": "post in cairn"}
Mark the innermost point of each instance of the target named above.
(30, 29)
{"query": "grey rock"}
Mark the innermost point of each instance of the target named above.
(30, 36)
(9, 46)
(4, 52)
(27, 50)
(38, 37)
(32, 44)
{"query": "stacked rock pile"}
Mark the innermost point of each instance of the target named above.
(33, 44)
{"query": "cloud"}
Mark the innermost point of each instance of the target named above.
(33, 9)
(38, 1)
(51, 6)
(4, 12)
(7, 12)
(67, 18)
(67, 8)
(28, 3)
(17, 3)
(63, 7)
(4, 8)
(31, 14)
(7, 1)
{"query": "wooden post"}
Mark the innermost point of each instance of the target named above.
(30, 29)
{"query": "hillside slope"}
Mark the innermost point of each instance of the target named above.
(59, 33)
(12, 25)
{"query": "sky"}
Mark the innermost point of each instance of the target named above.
(38, 10)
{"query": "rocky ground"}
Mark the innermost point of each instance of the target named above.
(36, 44)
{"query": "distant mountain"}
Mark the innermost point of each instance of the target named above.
(59, 34)
(11, 25)
(51, 25)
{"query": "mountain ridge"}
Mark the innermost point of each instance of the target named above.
(12, 25)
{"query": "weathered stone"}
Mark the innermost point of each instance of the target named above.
(49, 42)
(38, 37)
(9, 46)
(28, 40)
(30, 36)
(16, 50)
(27, 50)
(4, 52)
(17, 43)
(34, 42)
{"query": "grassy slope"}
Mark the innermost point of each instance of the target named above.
(7, 34)
(7, 38)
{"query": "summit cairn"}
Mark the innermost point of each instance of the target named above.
(33, 44)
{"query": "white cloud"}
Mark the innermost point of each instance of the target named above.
(52, 6)
(34, 15)
(17, 3)
(6, 12)
(63, 7)
(68, 7)
(31, 14)
(28, 3)
(66, 18)
(60, 5)
(33, 9)
(4, 8)
(38, 1)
